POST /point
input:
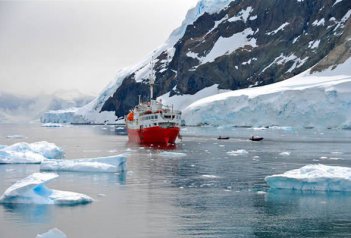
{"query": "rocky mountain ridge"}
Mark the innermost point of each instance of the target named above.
(244, 43)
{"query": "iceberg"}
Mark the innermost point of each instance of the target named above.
(32, 190)
(237, 152)
(32, 153)
(316, 177)
(53, 233)
(110, 164)
(285, 153)
(14, 157)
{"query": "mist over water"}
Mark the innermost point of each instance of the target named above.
(216, 190)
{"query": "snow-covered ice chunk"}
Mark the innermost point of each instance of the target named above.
(110, 164)
(53, 233)
(285, 153)
(171, 154)
(46, 149)
(13, 157)
(313, 177)
(32, 190)
(237, 152)
(23, 152)
(210, 176)
(49, 124)
(16, 136)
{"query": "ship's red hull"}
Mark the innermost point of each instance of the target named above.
(154, 135)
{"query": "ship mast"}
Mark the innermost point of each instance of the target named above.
(152, 79)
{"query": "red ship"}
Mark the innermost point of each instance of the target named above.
(152, 122)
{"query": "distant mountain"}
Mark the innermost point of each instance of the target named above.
(14, 108)
(229, 45)
(241, 44)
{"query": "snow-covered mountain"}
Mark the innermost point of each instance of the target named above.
(229, 45)
(14, 108)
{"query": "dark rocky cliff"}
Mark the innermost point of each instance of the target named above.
(281, 39)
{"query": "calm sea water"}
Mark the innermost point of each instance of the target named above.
(207, 193)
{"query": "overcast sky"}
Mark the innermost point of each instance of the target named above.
(47, 46)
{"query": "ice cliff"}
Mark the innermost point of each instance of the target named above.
(320, 99)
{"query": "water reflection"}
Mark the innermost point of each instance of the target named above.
(306, 214)
(30, 213)
(81, 179)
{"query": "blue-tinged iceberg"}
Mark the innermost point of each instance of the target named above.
(31, 153)
(53, 233)
(32, 190)
(110, 164)
(313, 178)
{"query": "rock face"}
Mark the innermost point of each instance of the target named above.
(246, 43)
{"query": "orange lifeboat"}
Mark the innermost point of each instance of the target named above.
(130, 116)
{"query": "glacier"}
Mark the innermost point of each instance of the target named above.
(314, 177)
(52, 233)
(110, 164)
(32, 190)
(319, 99)
(32, 153)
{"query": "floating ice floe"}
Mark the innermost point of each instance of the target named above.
(285, 153)
(15, 137)
(237, 152)
(32, 190)
(110, 164)
(31, 153)
(171, 154)
(51, 125)
(313, 177)
(53, 233)
(210, 176)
